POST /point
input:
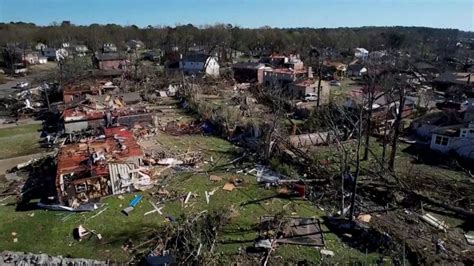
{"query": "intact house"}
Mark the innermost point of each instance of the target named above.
(135, 45)
(109, 48)
(29, 57)
(109, 61)
(249, 72)
(200, 63)
(361, 53)
(40, 46)
(54, 54)
(356, 70)
(80, 50)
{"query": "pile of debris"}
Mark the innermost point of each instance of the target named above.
(94, 168)
(190, 240)
(95, 106)
(27, 259)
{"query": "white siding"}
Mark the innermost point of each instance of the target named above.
(211, 65)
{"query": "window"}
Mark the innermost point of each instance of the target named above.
(441, 140)
(81, 188)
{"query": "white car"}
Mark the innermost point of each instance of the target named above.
(311, 97)
(335, 83)
(22, 85)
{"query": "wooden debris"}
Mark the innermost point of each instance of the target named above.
(215, 178)
(228, 186)
(364, 218)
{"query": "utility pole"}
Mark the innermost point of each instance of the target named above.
(319, 81)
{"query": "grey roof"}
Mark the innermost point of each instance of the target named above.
(424, 66)
(202, 58)
(248, 65)
(453, 77)
(355, 67)
(451, 131)
(109, 56)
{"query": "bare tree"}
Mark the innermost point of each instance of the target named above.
(396, 126)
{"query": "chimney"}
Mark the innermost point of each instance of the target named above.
(310, 72)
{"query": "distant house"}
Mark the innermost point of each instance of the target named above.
(153, 56)
(40, 46)
(135, 45)
(80, 50)
(42, 60)
(361, 53)
(356, 70)
(282, 61)
(109, 48)
(200, 63)
(109, 61)
(282, 76)
(249, 72)
(55, 54)
(306, 86)
(29, 57)
(334, 70)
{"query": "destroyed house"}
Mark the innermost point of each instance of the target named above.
(249, 72)
(283, 76)
(76, 92)
(105, 111)
(107, 165)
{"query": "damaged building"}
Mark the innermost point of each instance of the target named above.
(98, 105)
(106, 165)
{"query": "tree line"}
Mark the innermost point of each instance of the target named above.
(415, 40)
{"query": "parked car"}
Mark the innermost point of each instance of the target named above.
(311, 97)
(22, 85)
(335, 83)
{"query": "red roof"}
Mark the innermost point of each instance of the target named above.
(119, 145)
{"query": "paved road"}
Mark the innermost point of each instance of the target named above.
(9, 163)
(7, 88)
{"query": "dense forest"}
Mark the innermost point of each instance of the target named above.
(415, 40)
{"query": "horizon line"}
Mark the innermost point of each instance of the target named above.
(202, 26)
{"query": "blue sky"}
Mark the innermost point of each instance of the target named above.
(246, 13)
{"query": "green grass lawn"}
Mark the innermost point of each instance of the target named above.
(51, 232)
(19, 140)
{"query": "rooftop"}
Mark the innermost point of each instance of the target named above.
(196, 58)
(450, 131)
(109, 56)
